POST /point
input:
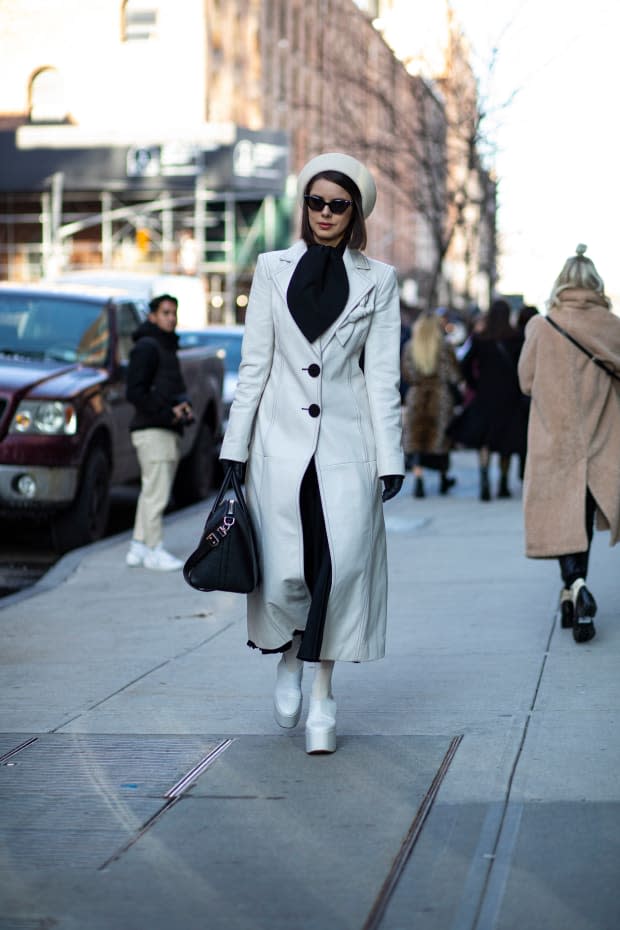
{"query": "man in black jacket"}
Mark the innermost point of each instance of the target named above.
(156, 388)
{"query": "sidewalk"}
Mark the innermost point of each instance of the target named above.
(475, 786)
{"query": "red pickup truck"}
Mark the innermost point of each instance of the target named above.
(64, 419)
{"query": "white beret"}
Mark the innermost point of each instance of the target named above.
(345, 164)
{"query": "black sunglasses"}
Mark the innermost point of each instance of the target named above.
(317, 204)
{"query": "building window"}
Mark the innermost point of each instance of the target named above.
(47, 97)
(139, 20)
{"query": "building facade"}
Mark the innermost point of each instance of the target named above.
(154, 133)
(431, 44)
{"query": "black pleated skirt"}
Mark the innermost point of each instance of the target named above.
(317, 569)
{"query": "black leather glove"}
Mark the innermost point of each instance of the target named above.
(391, 486)
(238, 468)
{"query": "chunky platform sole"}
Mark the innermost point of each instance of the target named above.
(320, 740)
(567, 609)
(286, 720)
(585, 611)
(567, 613)
(321, 726)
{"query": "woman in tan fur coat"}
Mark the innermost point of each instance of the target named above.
(572, 470)
(431, 371)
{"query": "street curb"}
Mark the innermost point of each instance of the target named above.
(70, 562)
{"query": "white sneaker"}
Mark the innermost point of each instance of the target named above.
(159, 560)
(136, 554)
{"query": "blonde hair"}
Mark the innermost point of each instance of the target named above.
(426, 343)
(578, 271)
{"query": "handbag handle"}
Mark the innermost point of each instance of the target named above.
(230, 480)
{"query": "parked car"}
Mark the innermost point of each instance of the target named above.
(226, 341)
(141, 286)
(64, 418)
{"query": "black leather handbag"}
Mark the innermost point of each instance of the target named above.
(225, 558)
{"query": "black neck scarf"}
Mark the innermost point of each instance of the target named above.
(318, 289)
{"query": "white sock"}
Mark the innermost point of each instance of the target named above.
(322, 684)
(290, 656)
(576, 588)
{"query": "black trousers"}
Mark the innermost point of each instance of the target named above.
(317, 565)
(575, 564)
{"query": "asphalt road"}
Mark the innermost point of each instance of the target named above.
(26, 552)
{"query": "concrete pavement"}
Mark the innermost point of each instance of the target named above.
(144, 783)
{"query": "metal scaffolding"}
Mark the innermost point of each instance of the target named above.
(204, 205)
(216, 235)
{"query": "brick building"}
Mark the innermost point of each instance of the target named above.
(146, 123)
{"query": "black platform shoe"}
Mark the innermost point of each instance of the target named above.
(446, 483)
(485, 490)
(567, 608)
(418, 488)
(585, 611)
(503, 490)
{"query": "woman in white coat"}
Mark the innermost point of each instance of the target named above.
(316, 417)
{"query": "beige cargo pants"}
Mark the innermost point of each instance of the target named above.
(158, 455)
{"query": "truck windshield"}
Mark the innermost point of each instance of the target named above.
(54, 327)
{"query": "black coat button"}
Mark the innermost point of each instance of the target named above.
(314, 410)
(313, 370)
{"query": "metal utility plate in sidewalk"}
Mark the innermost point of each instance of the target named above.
(268, 837)
(70, 800)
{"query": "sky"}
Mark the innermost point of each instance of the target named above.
(553, 100)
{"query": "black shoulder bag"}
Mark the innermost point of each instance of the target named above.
(225, 558)
(593, 358)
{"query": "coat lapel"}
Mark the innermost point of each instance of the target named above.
(286, 263)
(360, 284)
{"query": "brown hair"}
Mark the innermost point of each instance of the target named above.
(355, 235)
(497, 322)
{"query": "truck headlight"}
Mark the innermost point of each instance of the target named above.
(47, 417)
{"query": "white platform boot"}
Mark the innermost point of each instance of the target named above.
(287, 697)
(321, 721)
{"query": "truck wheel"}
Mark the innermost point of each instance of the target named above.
(85, 520)
(194, 479)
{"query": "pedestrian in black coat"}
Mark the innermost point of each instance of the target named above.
(493, 421)
(156, 388)
(155, 384)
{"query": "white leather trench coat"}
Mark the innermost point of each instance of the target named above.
(296, 400)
